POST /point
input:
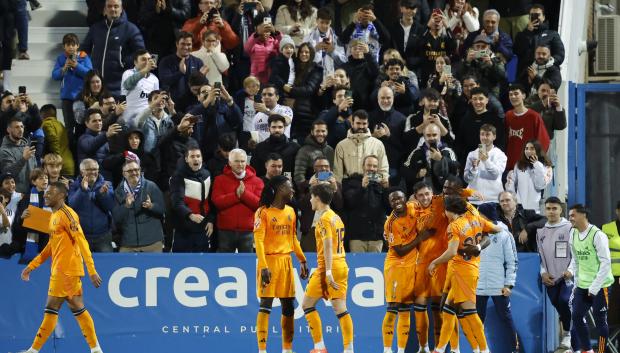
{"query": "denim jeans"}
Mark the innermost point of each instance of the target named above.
(21, 24)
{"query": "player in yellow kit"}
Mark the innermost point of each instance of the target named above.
(275, 237)
(68, 248)
(329, 280)
(399, 270)
(465, 233)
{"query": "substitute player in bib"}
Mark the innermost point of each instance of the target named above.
(464, 233)
(68, 248)
(399, 270)
(275, 237)
(329, 280)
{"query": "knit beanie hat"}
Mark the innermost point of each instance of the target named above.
(286, 39)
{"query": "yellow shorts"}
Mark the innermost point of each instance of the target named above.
(461, 287)
(282, 283)
(399, 284)
(427, 285)
(319, 288)
(64, 286)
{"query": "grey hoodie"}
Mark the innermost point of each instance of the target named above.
(12, 161)
(554, 249)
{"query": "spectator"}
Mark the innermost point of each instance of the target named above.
(137, 84)
(469, 127)
(315, 145)
(210, 19)
(56, 139)
(337, 117)
(462, 19)
(261, 46)
(522, 223)
(338, 79)
(17, 155)
(553, 265)
(92, 90)
(501, 42)
(172, 147)
(485, 166)
(110, 58)
(220, 115)
(282, 66)
(436, 41)
(247, 99)
(133, 149)
(8, 245)
(537, 33)
(112, 112)
(138, 211)
(92, 198)
(296, 19)
(277, 142)
(404, 94)
(515, 15)
(350, 152)
(22, 107)
(522, 124)
(190, 187)
(530, 176)
(6, 219)
(432, 162)
(225, 144)
(71, 68)
(406, 25)
(30, 242)
(235, 195)
(445, 83)
(155, 121)
(412, 128)
(547, 103)
(159, 21)
(321, 174)
(543, 68)
(384, 123)
(303, 90)
(94, 142)
(464, 106)
(260, 126)
(392, 53)
(176, 69)
(273, 167)
(365, 204)
(329, 54)
(52, 166)
(369, 30)
(212, 56)
(362, 70)
(498, 275)
(481, 61)
(191, 92)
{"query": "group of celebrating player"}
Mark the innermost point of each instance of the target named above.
(433, 258)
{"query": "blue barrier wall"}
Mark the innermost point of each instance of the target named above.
(184, 302)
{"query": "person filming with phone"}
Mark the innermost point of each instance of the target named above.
(17, 155)
(210, 19)
(481, 61)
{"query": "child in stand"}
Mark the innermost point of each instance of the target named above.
(283, 65)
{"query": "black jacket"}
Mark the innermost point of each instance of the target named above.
(552, 75)
(280, 71)
(283, 146)
(189, 194)
(113, 163)
(337, 128)
(527, 41)
(523, 219)
(217, 119)
(172, 147)
(468, 132)
(394, 120)
(436, 171)
(160, 29)
(305, 106)
(365, 208)
(362, 75)
(398, 42)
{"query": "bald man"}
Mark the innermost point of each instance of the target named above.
(431, 162)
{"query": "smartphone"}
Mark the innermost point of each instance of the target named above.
(73, 57)
(376, 177)
(266, 20)
(324, 176)
(154, 57)
(435, 111)
(433, 145)
(481, 148)
(217, 85)
(21, 90)
(447, 69)
(534, 17)
(249, 6)
(348, 94)
(33, 143)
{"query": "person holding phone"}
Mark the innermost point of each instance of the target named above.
(211, 55)
(481, 61)
(261, 46)
(210, 19)
(405, 94)
(17, 156)
(329, 53)
(537, 33)
(547, 103)
(136, 85)
(296, 19)
(71, 68)
(444, 81)
(543, 68)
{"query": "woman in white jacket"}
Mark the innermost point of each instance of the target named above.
(530, 176)
(462, 19)
(211, 55)
(297, 19)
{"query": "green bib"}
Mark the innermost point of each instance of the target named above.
(587, 261)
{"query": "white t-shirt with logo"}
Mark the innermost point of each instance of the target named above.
(261, 123)
(137, 98)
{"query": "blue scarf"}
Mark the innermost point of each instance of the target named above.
(32, 239)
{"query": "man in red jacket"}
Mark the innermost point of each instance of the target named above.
(236, 193)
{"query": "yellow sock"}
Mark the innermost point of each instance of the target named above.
(421, 324)
(402, 328)
(436, 321)
(447, 327)
(262, 327)
(454, 339)
(475, 328)
(288, 331)
(314, 322)
(387, 329)
(346, 327)
(50, 317)
(87, 326)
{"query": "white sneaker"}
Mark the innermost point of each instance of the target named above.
(565, 342)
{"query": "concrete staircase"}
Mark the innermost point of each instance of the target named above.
(49, 24)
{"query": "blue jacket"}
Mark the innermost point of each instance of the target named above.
(217, 119)
(73, 79)
(93, 207)
(498, 263)
(172, 79)
(92, 145)
(111, 47)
